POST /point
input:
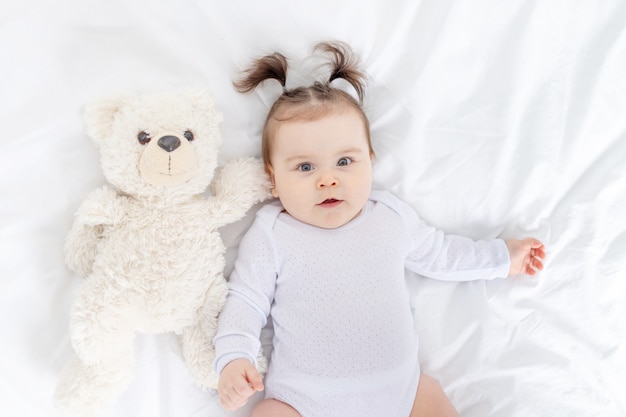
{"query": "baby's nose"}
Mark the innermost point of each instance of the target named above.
(327, 181)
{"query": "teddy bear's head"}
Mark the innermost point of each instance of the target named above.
(157, 145)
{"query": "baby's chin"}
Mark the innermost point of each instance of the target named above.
(330, 221)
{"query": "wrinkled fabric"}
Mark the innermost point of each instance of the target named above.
(490, 118)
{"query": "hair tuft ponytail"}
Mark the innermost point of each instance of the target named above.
(273, 66)
(307, 102)
(344, 65)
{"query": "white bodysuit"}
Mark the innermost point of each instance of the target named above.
(344, 340)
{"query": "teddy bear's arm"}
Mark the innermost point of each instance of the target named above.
(102, 208)
(238, 186)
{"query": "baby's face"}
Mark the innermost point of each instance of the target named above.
(322, 169)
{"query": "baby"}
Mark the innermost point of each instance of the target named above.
(327, 261)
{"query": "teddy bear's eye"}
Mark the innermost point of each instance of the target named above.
(188, 135)
(143, 137)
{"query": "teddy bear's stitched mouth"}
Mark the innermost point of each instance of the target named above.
(169, 173)
(168, 170)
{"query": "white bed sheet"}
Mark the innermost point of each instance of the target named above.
(491, 118)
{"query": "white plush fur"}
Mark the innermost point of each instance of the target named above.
(148, 243)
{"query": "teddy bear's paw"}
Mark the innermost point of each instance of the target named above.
(85, 390)
(84, 342)
(205, 379)
(199, 354)
(95, 349)
(261, 362)
(103, 206)
(99, 331)
(256, 180)
(80, 254)
(244, 180)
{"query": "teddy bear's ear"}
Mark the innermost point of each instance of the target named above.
(203, 101)
(100, 115)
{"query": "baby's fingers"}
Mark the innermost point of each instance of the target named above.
(239, 380)
(255, 379)
(539, 253)
(535, 262)
(235, 397)
(231, 404)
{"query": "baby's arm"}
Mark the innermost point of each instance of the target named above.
(526, 255)
(457, 258)
(251, 293)
(238, 381)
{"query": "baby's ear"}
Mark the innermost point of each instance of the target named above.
(270, 173)
(100, 116)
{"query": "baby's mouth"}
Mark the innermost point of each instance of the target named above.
(330, 202)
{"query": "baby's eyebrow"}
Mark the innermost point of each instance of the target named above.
(351, 150)
(298, 158)
(305, 157)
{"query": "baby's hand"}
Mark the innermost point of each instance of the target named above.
(239, 380)
(526, 255)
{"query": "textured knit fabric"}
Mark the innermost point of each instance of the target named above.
(344, 340)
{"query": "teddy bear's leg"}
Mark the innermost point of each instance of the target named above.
(103, 322)
(197, 339)
(85, 390)
(101, 331)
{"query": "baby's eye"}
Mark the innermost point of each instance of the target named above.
(344, 162)
(306, 167)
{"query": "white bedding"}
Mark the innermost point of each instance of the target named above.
(491, 118)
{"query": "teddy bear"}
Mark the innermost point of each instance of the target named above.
(147, 243)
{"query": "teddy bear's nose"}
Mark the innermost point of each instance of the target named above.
(169, 143)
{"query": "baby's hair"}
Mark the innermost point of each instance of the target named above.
(344, 65)
(307, 103)
(268, 67)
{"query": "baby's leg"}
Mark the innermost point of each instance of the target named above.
(274, 408)
(430, 400)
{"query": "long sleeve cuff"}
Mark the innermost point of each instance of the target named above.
(234, 346)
